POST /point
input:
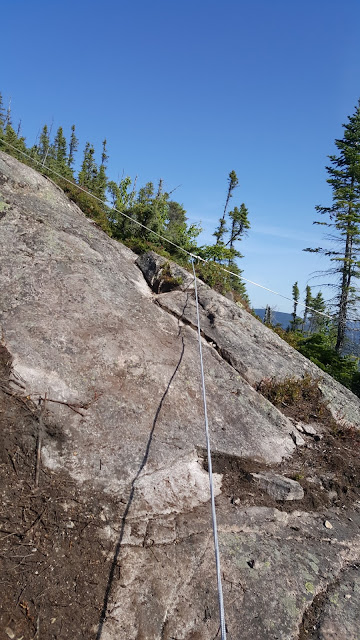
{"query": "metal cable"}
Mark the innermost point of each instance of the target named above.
(212, 497)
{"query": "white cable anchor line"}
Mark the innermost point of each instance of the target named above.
(212, 497)
(158, 235)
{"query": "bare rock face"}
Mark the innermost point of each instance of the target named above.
(109, 339)
(252, 349)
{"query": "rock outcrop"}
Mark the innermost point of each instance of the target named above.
(109, 341)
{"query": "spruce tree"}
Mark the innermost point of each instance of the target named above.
(120, 200)
(317, 322)
(89, 171)
(101, 181)
(160, 189)
(8, 120)
(19, 143)
(296, 295)
(221, 230)
(268, 316)
(73, 147)
(307, 302)
(344, 222)
(44, 143)
(2, 115)
(59, 151)
(239, 224)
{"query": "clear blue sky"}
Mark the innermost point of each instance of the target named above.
(189, 90)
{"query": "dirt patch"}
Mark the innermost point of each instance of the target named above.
(327, 466)
(328, 470)
(55, 556)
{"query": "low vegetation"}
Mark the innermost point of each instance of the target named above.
(299, 398)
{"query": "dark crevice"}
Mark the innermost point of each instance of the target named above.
(221, 351)
(310, 626)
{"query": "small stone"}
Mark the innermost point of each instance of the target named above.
(297, 439)
(328, 524)
(332, 495)
(309, 430)
(52, 620)
(279, 487)
(9, 632)
(347, 596)
(237, 501)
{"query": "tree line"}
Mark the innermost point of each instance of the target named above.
(150, 204)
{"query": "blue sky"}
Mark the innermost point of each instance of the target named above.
(188, 91)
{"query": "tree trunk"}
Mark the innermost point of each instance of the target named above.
(345, 285)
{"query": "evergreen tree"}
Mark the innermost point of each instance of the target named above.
(223, 251)
(89, 170)
(120, 200)
(19, 143)
(101, 181)
(160, 189)
(73, 147)
(59, 152)
(268, 317)
(317, 322)
(296, 295)
(221, 230)
(8, 115)
(307, 302)
(44, 144)
(239, 224)
(2, 115)
(344, 221)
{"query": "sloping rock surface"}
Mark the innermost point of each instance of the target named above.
(116, 357)
(252, 349)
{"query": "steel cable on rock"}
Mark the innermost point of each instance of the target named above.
(211, 482)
